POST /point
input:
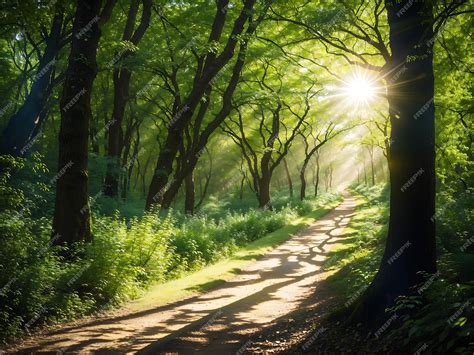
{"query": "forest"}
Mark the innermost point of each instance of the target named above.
(236, 177)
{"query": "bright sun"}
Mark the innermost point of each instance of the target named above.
(360, 88)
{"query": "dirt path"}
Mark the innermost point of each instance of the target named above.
(221, 321)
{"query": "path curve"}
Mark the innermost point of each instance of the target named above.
(221, 321)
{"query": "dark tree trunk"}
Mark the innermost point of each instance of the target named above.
(121, 79)
(410, 246)
(288, 177)
(206, 184)
(303, 183)
(264, 182)
(316, 184)
(190, 196)
(264, 199)
(71, 213)
(26, 122)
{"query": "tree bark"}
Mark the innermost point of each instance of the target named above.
(121, 78)
(190, 195)
(206, 184)
(410, 246)
(264, 199)
(316, 185)
(24, 124)
(303, 180)
(71, 213)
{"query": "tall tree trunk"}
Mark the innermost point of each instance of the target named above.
(264, 182)
(410, 246)
(316, 184)
(190, 195)
(121, 79)
(24, 124)
(303, 179)
(288, 177)
(71, 211)
(264, 199)
(206, 184)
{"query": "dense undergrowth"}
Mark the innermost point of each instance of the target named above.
(126, 256)
(439, 316)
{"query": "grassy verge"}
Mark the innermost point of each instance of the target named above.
(437, 318)
(215, 274)
(355, 260)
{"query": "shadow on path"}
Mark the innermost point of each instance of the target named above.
(221, 321)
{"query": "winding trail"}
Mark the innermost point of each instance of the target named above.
(221, 321)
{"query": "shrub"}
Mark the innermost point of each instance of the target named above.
(38, 286)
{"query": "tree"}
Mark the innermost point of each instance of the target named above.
(25, 123)
(408, 72)
(121, 79)
(202, 129)
(209, 66)
(312, 143)
(316, 177)
(71, 222)
(273, 131)
(411, 246)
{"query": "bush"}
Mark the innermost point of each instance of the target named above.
(39, 286)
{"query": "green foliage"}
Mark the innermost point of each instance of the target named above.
(442, 317)
(38, 286)
(440, 311)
